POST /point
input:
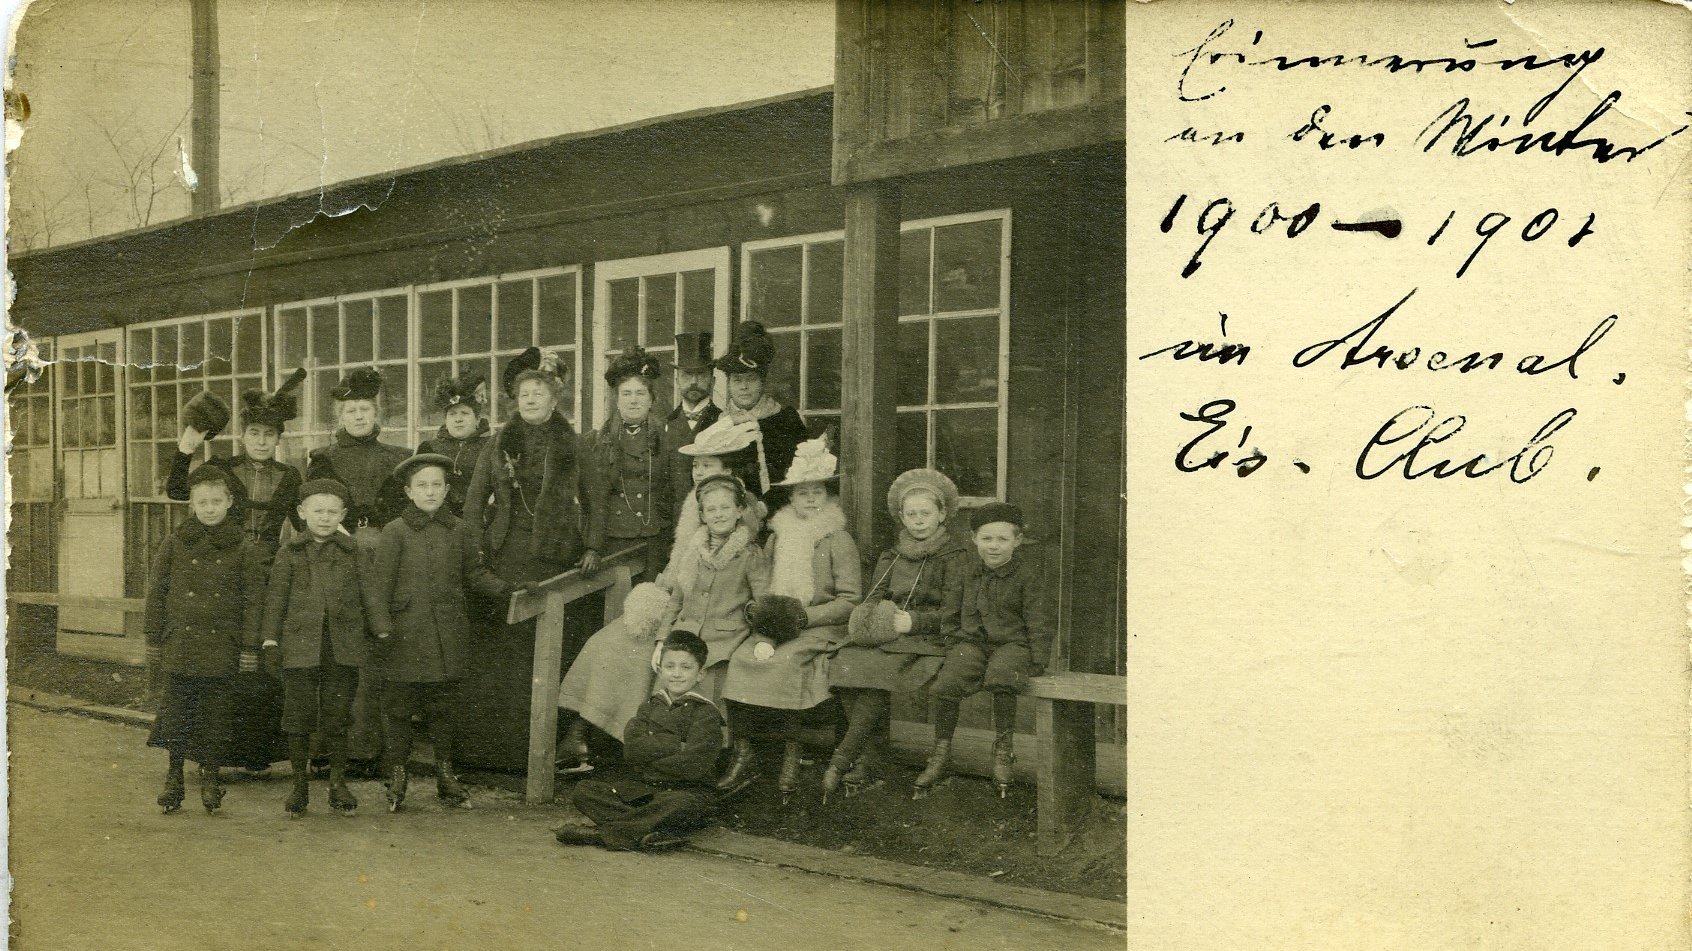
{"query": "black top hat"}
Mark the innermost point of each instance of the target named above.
(633, 362)
(272, 409)
(693, 352)
(752, 350)
(363, 383)
(467, 390)
(206, 413)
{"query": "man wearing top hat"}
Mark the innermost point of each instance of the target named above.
(696, 410)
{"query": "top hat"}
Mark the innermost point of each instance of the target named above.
(467, 390)
(752, 350)
(693, 352)
(272, 409)
(363, 383)
(206, 412)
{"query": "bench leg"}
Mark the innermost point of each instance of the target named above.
(543, 702)
(1066, 777)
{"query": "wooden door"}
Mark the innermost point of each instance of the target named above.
(90, 475)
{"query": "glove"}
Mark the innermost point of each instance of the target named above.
(589, 562)
(249, 662)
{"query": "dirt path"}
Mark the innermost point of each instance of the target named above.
(97, 866)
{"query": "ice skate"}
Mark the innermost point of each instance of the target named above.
(936, 771)
(396, 788)
(788, 781)
(211, 789)
(447, 787)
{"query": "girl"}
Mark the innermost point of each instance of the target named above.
(625, 471)
(814, 561)
(895, 633)
(463, 433)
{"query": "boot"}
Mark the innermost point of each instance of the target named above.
(935, 772)
(447, 786)
(299, 756)
(572, 752)
(578, 835)
(341, 798)
(211, 788)
(865, 774)
(396, 788)
(170, 799)
(743, 769)
(1004, 761)
(788, 782)
(831, 777)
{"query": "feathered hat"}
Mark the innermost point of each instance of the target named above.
(468, 390)
(777, 618)
(206, 412)
(812, 462)
(530, 359)
(751, 351)
(364, 383)
(932, 481)
(721, 438)
(272, 409)
(632, 362)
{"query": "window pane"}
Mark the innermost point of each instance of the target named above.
(822, 369)
(89, 371)
(475, 319)
(772, 279)
(910, 450)
(105, 376)
(396, 387)
(913, 363)
(359, 316)
(164, 406)
(193, 348)
(222, 448)
(141, 470)
(325, 335)
(516, 314)
(392, 313)
(660, 310)
(429, 375)
(323, 381)
(39, 420)
(966, 447)
(293, 323)
(784, 372)
(140, 355)
(966, 265)
(220, 339)
(699, 301)
(558, 310)
(249, 344)
(108, 420)
(827, 263)
(966, 354)
(434, 324)
(623, 304)
(913, 272)
(164, 456)
(89, 410)
(141, 412)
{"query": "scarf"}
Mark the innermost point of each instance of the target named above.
(796, 539)
(685, 571)
(912, 550)
(762, 410)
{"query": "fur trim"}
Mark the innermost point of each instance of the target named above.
(684, 572)
(796, 540)
(688, 526)
(643, 611)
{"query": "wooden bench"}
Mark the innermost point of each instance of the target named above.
(1063, 719)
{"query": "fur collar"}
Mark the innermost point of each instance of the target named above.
(796, 539)
(685, 571)
(416, 518)
(344, 438)
(341, 538)
(764, 409)
(942, 542)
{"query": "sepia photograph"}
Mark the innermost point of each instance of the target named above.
(585, 473)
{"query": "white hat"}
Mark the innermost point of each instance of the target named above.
(721, 438)
(812, 462)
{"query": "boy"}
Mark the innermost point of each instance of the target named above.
(999, 633)
(665, 787)
(424, 563)
(314, 629)
(201, 626)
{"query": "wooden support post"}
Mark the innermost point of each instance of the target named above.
(1066, 770)
(204, 120)
(869, 383)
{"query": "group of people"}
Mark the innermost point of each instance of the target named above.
(358, 587)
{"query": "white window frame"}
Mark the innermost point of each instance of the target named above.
(604, 272)
(804, 327)
(307, 394)
(40, 397)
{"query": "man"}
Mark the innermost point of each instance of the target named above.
(696, 410)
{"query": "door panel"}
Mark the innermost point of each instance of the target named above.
(91, 467)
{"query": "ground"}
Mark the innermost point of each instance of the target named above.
(97, 865)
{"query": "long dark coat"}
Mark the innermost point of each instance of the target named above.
(627, 486)
(261, 518)
(677, 434)
(423, 565)
(365, 465)
(203, 599)
(464, 453)
(295, 607)
(558, 535)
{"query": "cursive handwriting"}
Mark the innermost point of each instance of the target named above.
(1417, 422)
(1469, 137)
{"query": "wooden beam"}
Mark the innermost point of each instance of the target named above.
(1066, 773)
(1092, 688)
(1032, 133)
(869, 350)
(203, 126)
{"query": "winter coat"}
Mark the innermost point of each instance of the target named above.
(260, 517)
(1010, 604)
(314, 585)
(203, 598)
(365, 465)
(464, 453)
(488, 506)
(783, 430)
(710, 590)
(674, 741)
(627, 488)
(424, 564)
(919, 578)
(677, 434)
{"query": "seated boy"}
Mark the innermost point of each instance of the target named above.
(665, 786)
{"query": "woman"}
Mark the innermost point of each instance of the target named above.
(894, 635)
(814, 561)
(358, 459)
(522, 506)
(626, 472)
(780, 430)
(463, 433)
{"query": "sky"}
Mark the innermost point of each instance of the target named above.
(317, 92)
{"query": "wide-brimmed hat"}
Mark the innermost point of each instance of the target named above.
(363, 383)
(403, 471)
(777, 618)
(272, 409)
(751, 351)
(812, 462)
(693, 351)
(632, 362)
(469, 390)
(871, 623)
(721, 438)
(932, 481)
(206, 412)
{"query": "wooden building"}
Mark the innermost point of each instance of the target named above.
(936, 243)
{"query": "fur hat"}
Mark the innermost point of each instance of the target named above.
(933, 481)
(643, 610)
(469, 390)
(217, 475)
(871, 623)
(272, 409)
(206, 413)
(996, 512)
(693, 352)
(633, 362)
(403, 471)
(812, 462)
(363, 383)
(752, 351)
(721, 438)
(777, 618)
(325, 487)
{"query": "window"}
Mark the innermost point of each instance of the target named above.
(30, 405)
(330, 337)
(792, 286)
(954, 317)
(476, 326)
(646, 302)
(170, 362)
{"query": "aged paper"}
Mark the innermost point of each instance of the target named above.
(1407, 363)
